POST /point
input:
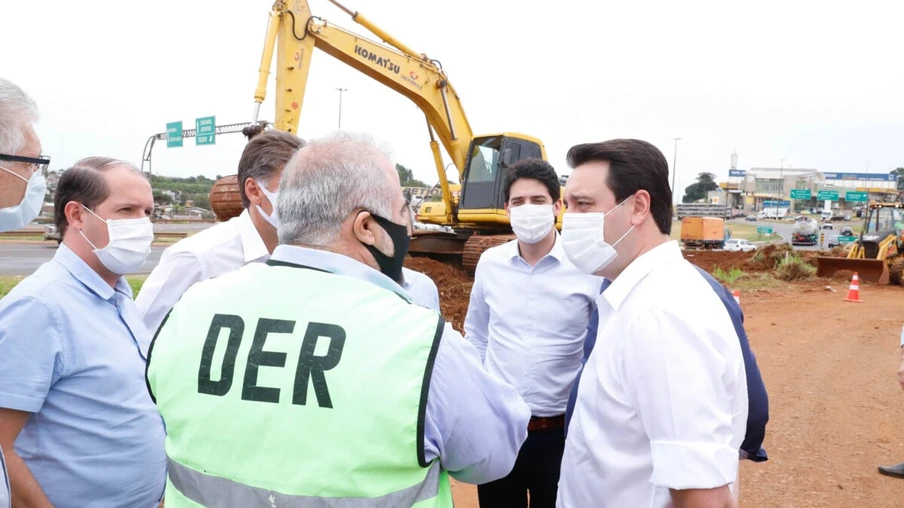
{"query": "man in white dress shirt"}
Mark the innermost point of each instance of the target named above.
(528, 318)
(661, 408)
(227, 246)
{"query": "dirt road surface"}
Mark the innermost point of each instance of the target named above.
(837, 410)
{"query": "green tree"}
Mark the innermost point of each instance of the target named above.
(201, 201)
(162, 199)
(406, 176)
(696, 191)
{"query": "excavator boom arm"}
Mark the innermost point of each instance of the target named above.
(296, 33)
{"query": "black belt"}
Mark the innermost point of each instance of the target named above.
(546, 423)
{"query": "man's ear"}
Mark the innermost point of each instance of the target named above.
(253, 192)
(641, 208)
(363, 227)
(557, 207)
(75, 215)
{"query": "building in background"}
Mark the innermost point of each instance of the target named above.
(792, 190)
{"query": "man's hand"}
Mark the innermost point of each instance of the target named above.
(901, 369)
(25, 490)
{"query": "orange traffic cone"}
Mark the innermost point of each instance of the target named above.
(737, 296)
(854, 291)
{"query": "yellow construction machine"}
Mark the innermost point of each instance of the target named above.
(878, 255)
(477, 219)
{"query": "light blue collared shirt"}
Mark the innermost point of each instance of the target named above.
(73, 352)
(421, 288)
(475, 423)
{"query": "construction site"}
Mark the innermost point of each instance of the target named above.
(830, 367)
(825, 324)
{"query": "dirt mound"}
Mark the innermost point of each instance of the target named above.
(454, 287)
(710, 260)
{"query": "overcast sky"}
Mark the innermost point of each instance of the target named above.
(817, 83)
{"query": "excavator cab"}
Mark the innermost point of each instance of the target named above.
(482, 198)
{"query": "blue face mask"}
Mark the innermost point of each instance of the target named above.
(15, 217)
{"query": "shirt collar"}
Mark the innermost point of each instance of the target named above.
(336, 263)
(87, 276)
(252, 243)
(621, 287)
(557, 252)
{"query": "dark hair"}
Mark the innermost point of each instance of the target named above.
(265, 154)
(633, 165)
(537, 169)
(83, 183)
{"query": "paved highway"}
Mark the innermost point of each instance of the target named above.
(25, 258)
(784, 229)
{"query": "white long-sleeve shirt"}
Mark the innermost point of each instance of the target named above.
(214, 251)
(529, 322)
(662, 402)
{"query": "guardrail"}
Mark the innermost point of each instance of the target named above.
(36, 232)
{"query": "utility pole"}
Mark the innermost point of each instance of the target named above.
(781, 189)
(340, 106)
(675, 170)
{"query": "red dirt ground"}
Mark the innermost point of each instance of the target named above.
(830, 367)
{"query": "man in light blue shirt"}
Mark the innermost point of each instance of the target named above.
(421, 288)
(527, 318)
(419, 285)
(76, 423)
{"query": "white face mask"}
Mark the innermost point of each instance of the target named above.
(273, 219)
(15, 217)
(532, 223)
(584, 243)
(129, 246)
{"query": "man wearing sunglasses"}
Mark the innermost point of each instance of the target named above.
(22, 166)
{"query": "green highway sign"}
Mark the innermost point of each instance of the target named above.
(846, 239)
(800, 194)
(764, 230)
(174, 134)
(856, 197)
(205, 130)
(825, 195)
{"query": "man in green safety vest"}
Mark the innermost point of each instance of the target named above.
(313, 379)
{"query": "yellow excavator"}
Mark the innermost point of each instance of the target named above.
(476, 220)
(878, 255)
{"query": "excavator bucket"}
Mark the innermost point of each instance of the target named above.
(868, 270)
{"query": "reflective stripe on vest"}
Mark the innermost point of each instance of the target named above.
(210, 490)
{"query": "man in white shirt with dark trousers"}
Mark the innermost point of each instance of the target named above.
(528, 318)
(662, 405)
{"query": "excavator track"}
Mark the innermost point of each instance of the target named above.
(476, 245)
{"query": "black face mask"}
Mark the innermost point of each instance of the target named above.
(391, 266)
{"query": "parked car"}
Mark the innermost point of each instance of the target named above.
(51, 233)
(750, 218)
(739, 244)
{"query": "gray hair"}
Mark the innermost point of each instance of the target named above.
(17, 111)
(325, 182)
